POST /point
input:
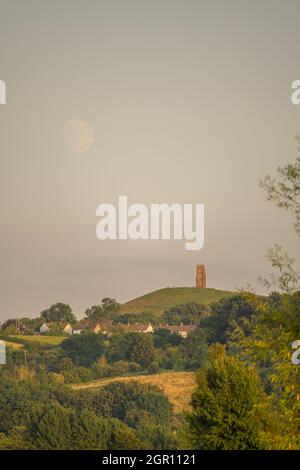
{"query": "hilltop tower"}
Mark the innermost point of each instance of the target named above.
(201, 276)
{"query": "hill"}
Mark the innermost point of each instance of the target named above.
(158, 301)
(178, 386)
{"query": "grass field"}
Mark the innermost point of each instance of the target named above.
(12, 344)
(178, 386)
(43, 340)
(158, 301)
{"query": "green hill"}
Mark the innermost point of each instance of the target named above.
(158, 301)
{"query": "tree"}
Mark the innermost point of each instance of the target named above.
(94, 313)
(58, 312)
(53, 426)
(136, 347)
(84, 349)
(163, 338)
(286, 194)
(109, 308)
(189, 313)
(121, 400)
(194, 348)
(225, 312)
(230, 410)
(273, 331)
(143, 351)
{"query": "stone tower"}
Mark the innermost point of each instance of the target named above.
(201, 276)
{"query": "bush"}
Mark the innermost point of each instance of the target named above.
(153, 368)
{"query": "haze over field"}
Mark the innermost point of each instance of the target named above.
(178, 102)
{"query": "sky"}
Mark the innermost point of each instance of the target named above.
(186, 101)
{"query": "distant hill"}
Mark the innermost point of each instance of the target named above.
(158, 301)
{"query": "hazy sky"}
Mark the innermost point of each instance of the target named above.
(189, 101)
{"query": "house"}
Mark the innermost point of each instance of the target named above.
(103, 327)
(67, 328)
(96, 327)
(79, 327)
(45, 328)
(181, 330)
(137, 327)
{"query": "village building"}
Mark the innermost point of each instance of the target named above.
(96, 327)
(181, 330)
(45, 328)
(67, 328)
(79, 327)
(136, 327)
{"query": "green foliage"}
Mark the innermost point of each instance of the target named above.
(58, 312)
(109, 309)
(53, 426)
(194, 349)
(230, 409)
(164, 338)
(273, 330)
(84, 349)
(286, 191)
(225, 312)
(135, 347)
(188, 314)
(44, 414)
(117, 398)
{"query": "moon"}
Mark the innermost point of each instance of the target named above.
(77, 136)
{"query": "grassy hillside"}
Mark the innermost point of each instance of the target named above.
(158, 301)
(43, 340)
(11, 344)
(178, 386)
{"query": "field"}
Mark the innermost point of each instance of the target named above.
(12, 344)
(22, 339)
(178, 386)
(158, 301)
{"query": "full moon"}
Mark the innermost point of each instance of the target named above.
(77, 136)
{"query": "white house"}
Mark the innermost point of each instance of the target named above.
(44, 328)
(79, 327)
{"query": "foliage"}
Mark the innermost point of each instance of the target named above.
(136, 347)
(225, 312)
(287, 278)
(230, 408)
(58, 312)
(109, 309)
(269, 346)
(188, 314)
(84, 349)
(286, 194)
(164, 338)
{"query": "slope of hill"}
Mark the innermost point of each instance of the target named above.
(26, 339)
(178, 386)
(158, 301)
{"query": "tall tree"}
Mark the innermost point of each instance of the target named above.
(229, 407)
(58, 312)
